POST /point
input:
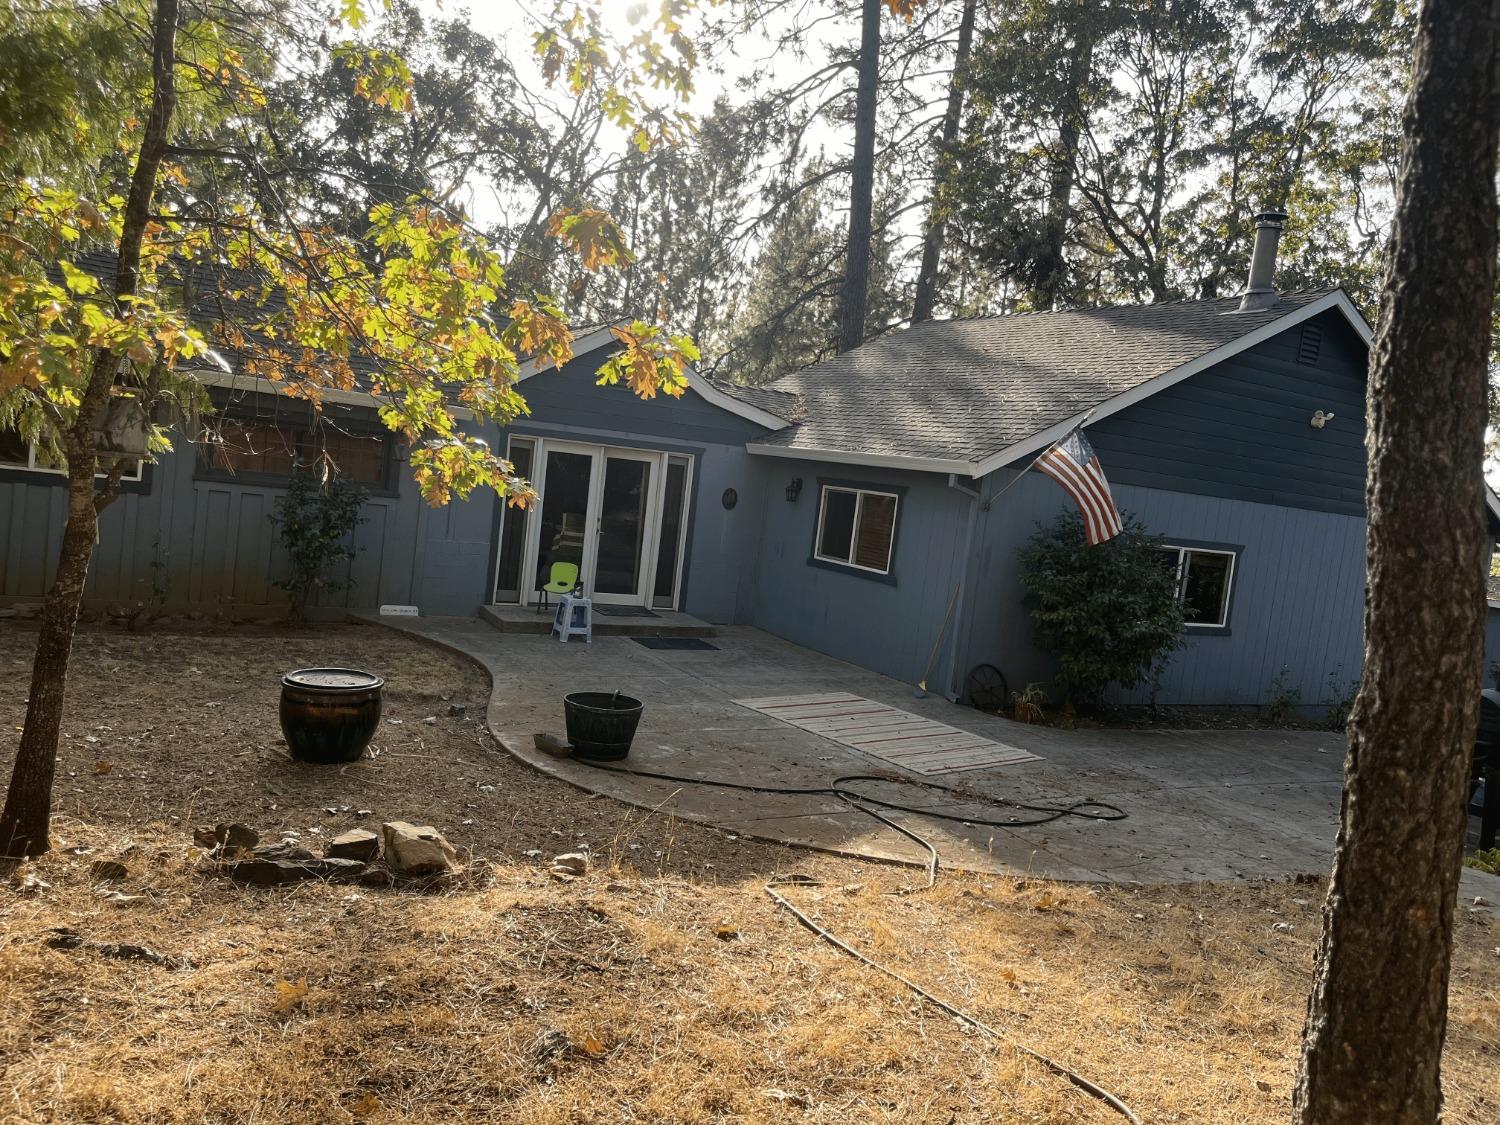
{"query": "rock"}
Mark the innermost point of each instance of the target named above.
(552, 746)
(457, 710)
(226, 839)
(270, 871)
(233, 837)
(417, 849)
(377, 877)
(1282, 927)
(110, 870)
(287, 849)
(358, 843)
(338, 870)
(575, 864)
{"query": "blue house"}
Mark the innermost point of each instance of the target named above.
(847, 507)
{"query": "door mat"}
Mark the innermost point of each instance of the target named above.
(678, 644)
(623, 611)
(892, 735)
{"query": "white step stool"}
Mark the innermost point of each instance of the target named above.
(575, 618)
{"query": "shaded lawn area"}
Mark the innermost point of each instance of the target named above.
(512, 997)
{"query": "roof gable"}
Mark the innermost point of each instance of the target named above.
(970, 396)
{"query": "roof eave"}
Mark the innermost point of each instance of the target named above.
(873, 460)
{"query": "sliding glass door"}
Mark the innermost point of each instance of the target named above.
(618, 515)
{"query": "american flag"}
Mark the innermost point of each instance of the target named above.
(1073, 464)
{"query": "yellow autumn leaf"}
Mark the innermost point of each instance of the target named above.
(289, 995)
(594, 236)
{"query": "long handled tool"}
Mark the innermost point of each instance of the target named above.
(921, 692)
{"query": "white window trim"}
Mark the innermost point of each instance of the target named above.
(859, 510)
(31, 466)
(1182, 554)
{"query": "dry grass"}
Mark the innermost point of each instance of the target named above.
(444, 1007)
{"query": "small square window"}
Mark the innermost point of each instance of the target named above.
(1204, 579)
(856, 527)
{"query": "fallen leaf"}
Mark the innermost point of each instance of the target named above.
(367, 1106)
(103, 767)
(289, 995)
(592, 1047)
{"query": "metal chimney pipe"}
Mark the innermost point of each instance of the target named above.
(1260, 293)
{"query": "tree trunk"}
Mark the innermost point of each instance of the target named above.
(862, 184)
(1051, 267)
(1378, 1010)
(28, 802)
(937, 223)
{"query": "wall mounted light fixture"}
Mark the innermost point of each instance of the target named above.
(1321, 419)
(793, 490)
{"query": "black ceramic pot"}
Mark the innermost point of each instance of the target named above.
(329, 714)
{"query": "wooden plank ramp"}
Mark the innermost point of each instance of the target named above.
(920, 745)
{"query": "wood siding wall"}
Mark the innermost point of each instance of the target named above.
(886, 626)
(1297, 602)
(210, 546)
(1242, 431)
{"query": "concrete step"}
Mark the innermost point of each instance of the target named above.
(666, 623)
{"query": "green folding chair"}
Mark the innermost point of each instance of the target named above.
(563, 577)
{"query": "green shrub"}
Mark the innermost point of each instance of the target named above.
(1488, 862)
(314, 519)
(1108, 614)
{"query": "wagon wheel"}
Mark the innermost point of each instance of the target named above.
(987, 688)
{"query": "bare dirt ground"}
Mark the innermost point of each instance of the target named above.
(662, 987)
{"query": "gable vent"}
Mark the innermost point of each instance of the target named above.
(1310, 344)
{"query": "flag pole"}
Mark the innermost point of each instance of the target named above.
(1082, 422)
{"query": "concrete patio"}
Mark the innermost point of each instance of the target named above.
(1200, 805)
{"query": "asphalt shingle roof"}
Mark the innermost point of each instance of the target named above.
(773, 400)
(960, 390)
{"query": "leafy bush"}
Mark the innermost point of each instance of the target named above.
(1109, 614)
(314, 519)
(1488, 862)
(1282, 699)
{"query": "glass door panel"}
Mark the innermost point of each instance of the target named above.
(673, 516)
(624, 510)
(513, 530)
(565, 510)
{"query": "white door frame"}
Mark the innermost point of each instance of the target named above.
(650, 541)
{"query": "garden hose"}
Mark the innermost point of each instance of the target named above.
(838, 787)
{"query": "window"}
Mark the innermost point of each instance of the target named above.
(1204, 579)
(262, 449)
(856, 528)
(17, 453)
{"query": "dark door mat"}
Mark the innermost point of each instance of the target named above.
(681, 644)
(624, 611)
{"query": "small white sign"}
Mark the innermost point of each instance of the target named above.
(398, 611)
